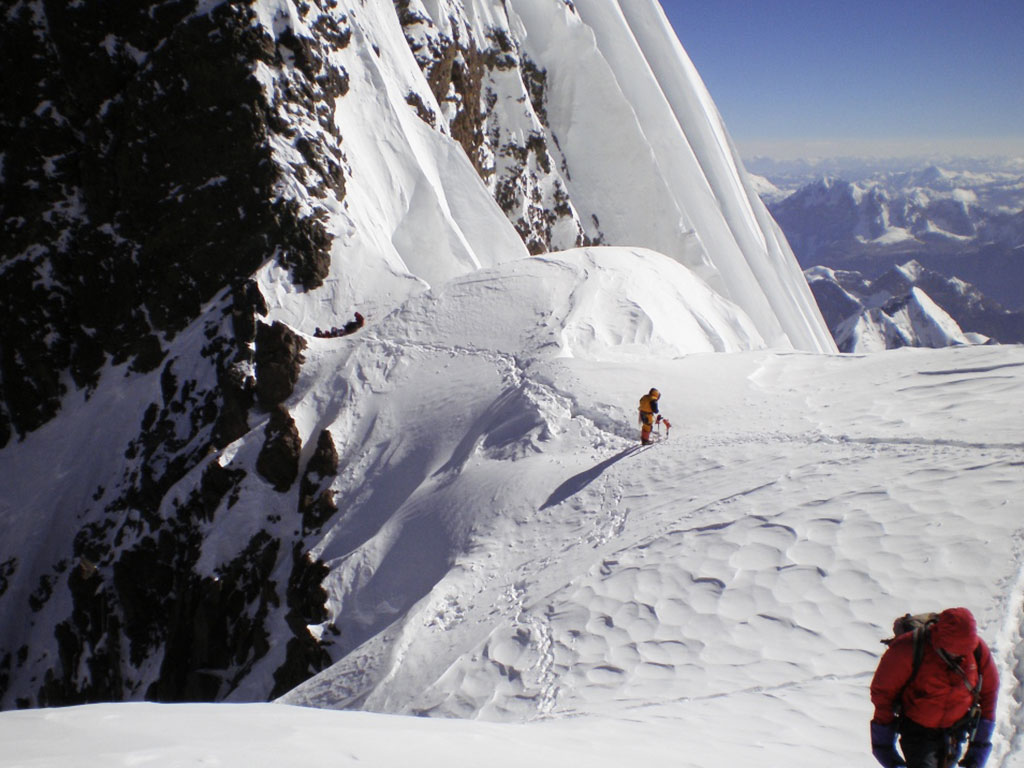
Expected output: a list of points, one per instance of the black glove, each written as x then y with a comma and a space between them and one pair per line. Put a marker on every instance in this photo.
883, 745
981, 745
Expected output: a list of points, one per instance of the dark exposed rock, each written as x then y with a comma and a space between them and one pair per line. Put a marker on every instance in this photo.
5, 420
460, 71
246, 303
536, 79
316, 500
834, 302
91, 632
304, 655
145, 182
217, 626
7, 569
150, 597
217, 482
278, 461
238, 392
235, 380
426, 114
278, 360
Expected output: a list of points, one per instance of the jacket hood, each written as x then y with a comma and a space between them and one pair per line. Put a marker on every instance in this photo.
956, 632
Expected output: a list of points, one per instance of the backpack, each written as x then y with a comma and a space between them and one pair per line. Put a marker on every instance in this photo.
920, 624
911, 623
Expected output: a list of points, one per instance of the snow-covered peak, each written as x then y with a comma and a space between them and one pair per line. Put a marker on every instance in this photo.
766, 190
912, 270
909, 305
911, 321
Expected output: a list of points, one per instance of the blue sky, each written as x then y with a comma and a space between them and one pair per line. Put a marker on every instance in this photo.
802, 78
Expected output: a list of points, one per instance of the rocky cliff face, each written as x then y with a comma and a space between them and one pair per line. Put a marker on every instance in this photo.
151, 166
140, 179
144, 182
471, 76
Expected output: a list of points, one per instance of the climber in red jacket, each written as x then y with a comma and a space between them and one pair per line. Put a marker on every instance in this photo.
935, 704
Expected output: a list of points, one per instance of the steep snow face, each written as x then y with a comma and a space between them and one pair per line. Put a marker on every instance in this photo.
621, 88
590, 111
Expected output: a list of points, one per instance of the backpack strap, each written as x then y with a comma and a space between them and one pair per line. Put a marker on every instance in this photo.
952, 664
919, 634
966, 725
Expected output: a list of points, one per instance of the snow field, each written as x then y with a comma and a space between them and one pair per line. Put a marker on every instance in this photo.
744, 570
503, 550
716, 599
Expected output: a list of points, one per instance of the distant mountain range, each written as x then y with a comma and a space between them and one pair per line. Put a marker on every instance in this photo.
962, 223
909, 306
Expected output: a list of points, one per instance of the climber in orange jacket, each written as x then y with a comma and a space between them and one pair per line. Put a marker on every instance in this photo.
648, 413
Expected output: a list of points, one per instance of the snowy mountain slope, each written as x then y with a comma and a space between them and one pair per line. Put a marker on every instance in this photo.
637, 102
464, 355
966, 224
913, 321
715, 599
770, 537
207, 185
908, 305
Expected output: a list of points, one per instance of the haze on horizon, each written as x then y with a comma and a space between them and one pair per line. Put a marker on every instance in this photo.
806, 79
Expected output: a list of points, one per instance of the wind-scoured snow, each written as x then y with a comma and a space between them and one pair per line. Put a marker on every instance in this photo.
716, 599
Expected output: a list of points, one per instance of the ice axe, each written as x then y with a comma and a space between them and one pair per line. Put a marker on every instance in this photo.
662, 420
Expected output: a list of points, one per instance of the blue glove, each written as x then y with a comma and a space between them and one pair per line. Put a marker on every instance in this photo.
883, 745
981, 745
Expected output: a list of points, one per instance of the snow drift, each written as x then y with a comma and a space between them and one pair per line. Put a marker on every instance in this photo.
715, 599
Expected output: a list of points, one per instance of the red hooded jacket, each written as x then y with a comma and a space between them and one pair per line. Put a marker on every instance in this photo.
938, 695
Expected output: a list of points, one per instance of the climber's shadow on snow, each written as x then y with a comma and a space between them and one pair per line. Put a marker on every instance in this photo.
578, 482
